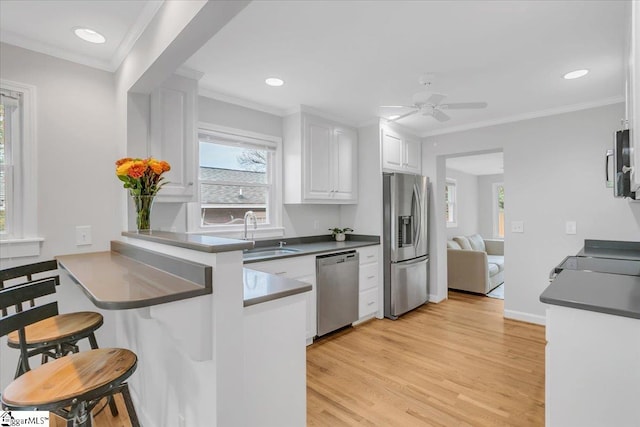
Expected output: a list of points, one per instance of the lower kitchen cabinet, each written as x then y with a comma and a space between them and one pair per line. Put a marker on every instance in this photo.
298, 268
369, 281
592, 369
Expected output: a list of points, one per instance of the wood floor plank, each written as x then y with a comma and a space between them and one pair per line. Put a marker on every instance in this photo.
454, 363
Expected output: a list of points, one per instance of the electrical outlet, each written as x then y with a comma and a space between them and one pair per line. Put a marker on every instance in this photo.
83, 235
571, 227
517, 226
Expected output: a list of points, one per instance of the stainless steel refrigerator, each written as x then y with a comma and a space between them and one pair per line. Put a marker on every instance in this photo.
406, 242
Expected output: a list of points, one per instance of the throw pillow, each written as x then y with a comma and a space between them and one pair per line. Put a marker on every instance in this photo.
453, 245
477, 243
463, 242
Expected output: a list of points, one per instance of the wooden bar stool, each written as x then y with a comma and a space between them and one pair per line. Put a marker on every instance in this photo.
72, 385
53, 337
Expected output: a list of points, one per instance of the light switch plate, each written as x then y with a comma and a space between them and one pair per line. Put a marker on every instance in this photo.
571, 227
83, 235
517, 226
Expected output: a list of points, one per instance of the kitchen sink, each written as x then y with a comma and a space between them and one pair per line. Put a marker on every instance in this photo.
268, 252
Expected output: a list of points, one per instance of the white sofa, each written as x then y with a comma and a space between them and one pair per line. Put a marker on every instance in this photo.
475, 264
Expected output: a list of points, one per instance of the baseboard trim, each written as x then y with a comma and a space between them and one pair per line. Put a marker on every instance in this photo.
437, 298
525, 317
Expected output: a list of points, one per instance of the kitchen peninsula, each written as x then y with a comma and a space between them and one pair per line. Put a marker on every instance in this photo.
593, 337
213, 340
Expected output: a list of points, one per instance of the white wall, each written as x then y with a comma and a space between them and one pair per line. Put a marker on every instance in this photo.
76, 151
554, 172
467, 201
486, 202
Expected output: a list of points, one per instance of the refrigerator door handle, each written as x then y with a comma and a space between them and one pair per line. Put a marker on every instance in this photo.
416, 206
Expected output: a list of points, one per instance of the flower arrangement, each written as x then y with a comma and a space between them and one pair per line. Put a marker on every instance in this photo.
143, 178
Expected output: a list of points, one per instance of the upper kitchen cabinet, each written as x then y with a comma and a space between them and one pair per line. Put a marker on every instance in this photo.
173, 136
320, 160
400, 153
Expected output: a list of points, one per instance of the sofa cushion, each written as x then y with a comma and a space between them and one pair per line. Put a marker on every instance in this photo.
453, 245
493, 269
498, 260
477, 242
463, 242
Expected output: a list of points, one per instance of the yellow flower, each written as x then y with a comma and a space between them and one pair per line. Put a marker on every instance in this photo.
156, 166
123, 169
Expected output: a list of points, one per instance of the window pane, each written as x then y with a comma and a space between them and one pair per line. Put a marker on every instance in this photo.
234, 160
227, 204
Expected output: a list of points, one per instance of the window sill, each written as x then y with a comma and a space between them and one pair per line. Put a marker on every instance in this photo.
261, 233
18, 248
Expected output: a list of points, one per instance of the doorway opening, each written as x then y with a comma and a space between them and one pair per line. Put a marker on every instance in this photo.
475, 220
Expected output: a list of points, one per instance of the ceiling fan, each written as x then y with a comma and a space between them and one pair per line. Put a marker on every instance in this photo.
430, 104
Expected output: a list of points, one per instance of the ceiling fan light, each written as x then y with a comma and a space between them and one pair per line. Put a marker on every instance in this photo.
395, 116
576, 74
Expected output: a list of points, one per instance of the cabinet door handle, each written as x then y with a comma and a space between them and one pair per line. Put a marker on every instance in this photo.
371, 303
370, 256
370, 277
280, 272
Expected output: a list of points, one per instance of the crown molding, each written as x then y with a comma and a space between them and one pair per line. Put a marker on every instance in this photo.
230, 99
527, 116
111, 65
129, 40
47, 49
320, 113
189, 73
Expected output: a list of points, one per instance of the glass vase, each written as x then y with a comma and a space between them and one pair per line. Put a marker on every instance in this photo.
143, 205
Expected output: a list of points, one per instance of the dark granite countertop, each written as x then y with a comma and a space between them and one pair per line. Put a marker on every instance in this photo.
602, 277
196, 242
302, 246
261, 287
615, 294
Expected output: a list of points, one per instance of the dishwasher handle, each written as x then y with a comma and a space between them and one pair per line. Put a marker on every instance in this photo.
337, 258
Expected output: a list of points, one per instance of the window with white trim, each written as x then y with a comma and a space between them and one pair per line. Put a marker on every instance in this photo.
498, 210
18, 171
237, 172
451, 213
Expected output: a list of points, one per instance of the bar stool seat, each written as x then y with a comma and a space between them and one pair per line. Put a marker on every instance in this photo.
67, 327
79, 377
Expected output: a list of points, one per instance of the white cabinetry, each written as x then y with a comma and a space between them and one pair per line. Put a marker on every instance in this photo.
400, 153
173, 136
369, 282
592, 369
298, 268
320, 161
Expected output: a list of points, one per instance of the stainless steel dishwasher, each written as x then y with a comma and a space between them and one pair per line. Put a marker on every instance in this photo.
337, 290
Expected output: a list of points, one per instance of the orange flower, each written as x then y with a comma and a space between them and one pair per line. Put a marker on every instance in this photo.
123, 160
165, 166
137, 169
156, 166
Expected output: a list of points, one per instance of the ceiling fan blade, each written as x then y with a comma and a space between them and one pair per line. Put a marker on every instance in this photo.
463, 105
439, 115
397, 106
436, 98
403, 116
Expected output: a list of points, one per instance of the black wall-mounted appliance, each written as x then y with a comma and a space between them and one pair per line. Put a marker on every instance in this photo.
618, 165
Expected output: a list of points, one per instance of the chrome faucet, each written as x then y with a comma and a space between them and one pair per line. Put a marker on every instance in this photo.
282, 243
249, 215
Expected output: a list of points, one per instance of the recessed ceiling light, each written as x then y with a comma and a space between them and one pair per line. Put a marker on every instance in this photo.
89, 35
395, 116
575, 74
274, 81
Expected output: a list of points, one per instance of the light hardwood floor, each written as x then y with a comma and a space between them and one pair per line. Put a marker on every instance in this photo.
457, 363
103, 419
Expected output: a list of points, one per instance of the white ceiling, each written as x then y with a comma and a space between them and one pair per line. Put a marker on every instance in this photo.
347, 58
481, 164
47, 26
